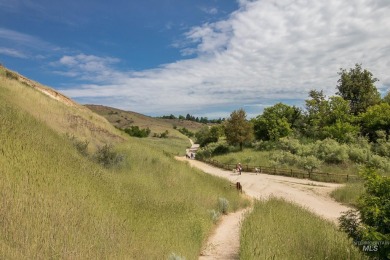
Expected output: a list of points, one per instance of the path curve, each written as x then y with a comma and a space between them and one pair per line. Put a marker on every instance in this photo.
312, 195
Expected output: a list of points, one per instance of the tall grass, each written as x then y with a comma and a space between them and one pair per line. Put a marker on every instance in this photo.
277, 229
349, 194
263, 158
56, 203
78, 121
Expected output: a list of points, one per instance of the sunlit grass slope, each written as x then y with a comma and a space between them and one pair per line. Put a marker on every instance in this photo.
123, 119
56, 203
277, 229
56, 111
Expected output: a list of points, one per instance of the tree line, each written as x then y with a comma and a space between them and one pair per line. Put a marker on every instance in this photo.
357, 110
189, 117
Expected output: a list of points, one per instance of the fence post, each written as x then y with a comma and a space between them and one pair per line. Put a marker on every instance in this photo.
291, 173
347, 177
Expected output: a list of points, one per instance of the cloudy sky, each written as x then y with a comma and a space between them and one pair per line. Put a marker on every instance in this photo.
203, 57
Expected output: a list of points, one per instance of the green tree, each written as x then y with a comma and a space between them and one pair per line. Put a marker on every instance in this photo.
316, 111
207, 135
329, 118
376, 118
238, 130
357, 86
276, 122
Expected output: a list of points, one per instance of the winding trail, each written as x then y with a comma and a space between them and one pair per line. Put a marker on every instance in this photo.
312, 195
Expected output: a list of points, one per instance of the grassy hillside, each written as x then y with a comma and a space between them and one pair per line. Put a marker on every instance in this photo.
57, 111
123, 119
57, 203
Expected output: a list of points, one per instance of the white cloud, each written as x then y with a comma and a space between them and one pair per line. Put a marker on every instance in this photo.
12, 53
266, 52
210, 10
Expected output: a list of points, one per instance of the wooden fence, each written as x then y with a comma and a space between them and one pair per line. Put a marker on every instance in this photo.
316, 176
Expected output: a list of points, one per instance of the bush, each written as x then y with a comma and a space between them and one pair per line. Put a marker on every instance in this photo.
137, 132
220, 149
331, 151
265, 145
310, 163
107, 157
290, 144
357, 154
81, 146
214, 215
223, 205
161, 135
185, 132
378, 162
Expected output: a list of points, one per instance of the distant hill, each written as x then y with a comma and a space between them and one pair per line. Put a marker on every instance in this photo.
124, 119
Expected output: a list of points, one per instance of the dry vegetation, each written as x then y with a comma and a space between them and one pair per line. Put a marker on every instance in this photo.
58, 203
123, 119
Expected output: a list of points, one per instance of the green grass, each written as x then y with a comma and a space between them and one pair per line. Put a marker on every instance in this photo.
56, 203
277, 229
262, 158
349, 194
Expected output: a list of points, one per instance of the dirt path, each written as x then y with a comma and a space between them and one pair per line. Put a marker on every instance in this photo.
310, 194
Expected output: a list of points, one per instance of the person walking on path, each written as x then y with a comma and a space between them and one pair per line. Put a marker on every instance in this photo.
239, 168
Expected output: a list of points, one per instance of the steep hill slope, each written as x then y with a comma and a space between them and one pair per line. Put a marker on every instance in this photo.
58, 111
57, 203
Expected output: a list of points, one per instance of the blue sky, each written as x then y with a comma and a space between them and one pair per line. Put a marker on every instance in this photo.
206, 58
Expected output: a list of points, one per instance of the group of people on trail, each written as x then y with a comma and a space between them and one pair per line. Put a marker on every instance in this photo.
190, 156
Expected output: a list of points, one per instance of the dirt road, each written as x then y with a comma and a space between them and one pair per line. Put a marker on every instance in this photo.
310, 194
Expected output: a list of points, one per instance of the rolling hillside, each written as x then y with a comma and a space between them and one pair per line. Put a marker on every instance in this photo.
124, 119
58, 203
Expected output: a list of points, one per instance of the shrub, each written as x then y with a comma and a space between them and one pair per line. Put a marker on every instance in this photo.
357, 154
185, 132
331, 151
221, 149
378, 162
310, 163
265, 145
137, 132
106, 156
81, 146
214, 215
161, 135
382, 146
290, 144
223, 205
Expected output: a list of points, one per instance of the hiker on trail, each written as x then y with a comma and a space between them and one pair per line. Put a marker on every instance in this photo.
239, 168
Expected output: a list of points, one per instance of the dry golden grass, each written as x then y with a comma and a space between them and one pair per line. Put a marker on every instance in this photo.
56, 203
123, 119
60, 116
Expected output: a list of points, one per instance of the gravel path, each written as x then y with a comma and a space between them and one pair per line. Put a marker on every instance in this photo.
224, 242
